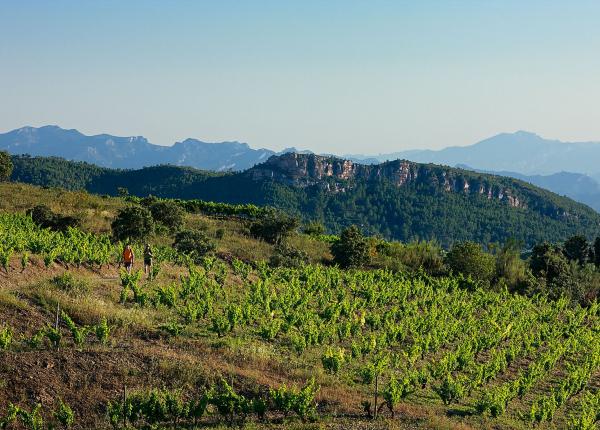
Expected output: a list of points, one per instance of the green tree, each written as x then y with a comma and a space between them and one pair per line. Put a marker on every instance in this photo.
193, 243
168, 214
133, 223
470, 259
274, 226
351, 249
6, 166
548, 261
597, 252
577, 248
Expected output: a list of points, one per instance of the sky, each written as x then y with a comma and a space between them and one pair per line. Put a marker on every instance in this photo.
331, 76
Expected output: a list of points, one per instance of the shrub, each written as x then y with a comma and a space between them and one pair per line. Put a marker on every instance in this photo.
274, 227
450, 390
471, 260
511, 269
301, 401
79, 333
64, 415
102, 331
333, 359
168, 214
397, 390
193, 243
133, 223
6, 336
414, 256
351, 249
286, 255
53, 335
68, 283
43, 216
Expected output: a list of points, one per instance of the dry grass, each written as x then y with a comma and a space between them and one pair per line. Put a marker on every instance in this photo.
8, 300
96, 212
91, 309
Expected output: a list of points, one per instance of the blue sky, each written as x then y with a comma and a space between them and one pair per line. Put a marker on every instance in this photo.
336, 76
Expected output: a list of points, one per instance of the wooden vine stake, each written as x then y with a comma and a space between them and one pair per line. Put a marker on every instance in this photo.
124, 407
57, 322
376, 390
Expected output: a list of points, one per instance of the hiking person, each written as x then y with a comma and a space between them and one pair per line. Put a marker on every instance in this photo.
148, 255
128, 258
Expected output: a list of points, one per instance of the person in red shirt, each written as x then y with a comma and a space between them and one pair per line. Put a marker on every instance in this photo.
128, 258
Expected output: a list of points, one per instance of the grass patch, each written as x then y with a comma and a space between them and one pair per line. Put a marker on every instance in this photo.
9, 300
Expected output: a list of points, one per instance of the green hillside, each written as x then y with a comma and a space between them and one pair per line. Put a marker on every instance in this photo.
235, 341
431, 202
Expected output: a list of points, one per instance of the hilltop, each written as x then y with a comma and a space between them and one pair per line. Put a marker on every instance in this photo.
399, 199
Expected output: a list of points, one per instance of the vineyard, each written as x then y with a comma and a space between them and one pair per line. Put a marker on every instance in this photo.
333, 344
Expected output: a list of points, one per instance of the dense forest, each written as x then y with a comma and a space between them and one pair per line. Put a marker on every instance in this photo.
397, 200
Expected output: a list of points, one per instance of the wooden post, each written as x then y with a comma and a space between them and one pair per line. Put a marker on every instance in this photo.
124, 402
376, 389
56, 324
231, 419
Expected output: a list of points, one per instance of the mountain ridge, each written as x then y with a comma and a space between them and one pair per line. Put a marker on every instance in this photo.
400, 200
505, 152
536, 155
124, 152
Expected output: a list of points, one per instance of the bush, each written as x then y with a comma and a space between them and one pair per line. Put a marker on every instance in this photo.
193, 243
471, 260
274, 227
69, 284
511, 269
413, 256
6, 166
351, 249
287, 256
43, 216
168, 214
64, 415
133, 223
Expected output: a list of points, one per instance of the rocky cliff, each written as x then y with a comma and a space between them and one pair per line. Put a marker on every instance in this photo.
338, 175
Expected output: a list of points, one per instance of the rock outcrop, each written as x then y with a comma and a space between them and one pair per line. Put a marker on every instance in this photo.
338, 175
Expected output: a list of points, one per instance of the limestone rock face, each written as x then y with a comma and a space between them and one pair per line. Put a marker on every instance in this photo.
337, 175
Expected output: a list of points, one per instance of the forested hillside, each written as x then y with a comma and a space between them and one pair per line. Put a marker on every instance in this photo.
399, 200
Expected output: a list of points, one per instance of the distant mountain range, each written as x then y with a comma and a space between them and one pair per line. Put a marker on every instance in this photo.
522, 152
399, 199
566, 168
130, 152
569, 169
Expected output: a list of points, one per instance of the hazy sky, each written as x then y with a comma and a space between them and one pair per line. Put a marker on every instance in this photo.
337, 76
